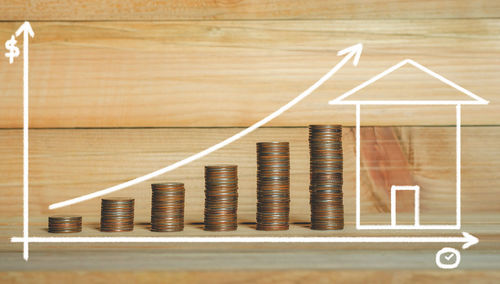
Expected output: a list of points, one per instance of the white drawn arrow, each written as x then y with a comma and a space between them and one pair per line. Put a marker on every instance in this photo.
352, 51
27, 31
468, 240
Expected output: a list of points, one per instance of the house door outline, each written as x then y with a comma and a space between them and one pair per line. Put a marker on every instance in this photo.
394, 190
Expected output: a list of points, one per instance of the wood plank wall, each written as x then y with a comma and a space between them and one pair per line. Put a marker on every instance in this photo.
128, 64
145, 77
125, 64
214, 63
66, 163
137, 10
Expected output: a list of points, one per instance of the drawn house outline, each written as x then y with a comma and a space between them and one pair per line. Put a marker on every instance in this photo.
474, 100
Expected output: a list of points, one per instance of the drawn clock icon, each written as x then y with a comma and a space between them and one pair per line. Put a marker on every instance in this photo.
448, 258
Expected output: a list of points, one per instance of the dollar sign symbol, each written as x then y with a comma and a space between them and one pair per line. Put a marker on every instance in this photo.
12, 48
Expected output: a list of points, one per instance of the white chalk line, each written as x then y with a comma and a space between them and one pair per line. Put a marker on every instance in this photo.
341, 99
27, 31
467, 239
351, 51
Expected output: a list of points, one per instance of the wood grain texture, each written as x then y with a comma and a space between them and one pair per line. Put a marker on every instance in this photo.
81, 10
270, 257
233, 73
404, 276
387, 165
317, 275
67, 163
135, 63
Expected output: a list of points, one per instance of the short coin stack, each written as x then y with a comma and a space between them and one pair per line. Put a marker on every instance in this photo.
325, 145
65, 224
167, 207
221, 197
117, 214
273, 186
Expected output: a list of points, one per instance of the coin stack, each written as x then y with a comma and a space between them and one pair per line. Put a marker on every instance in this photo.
273, 186
117, 214
65, 224
325, 146
221, 197
167, 207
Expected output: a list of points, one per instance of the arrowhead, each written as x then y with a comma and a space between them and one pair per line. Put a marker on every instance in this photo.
354, 50
471, 240
25, 27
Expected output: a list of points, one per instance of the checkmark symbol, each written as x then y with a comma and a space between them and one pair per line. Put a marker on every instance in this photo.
445, 260
448, 257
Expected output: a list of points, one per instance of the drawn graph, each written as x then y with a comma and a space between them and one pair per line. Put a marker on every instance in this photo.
352, 52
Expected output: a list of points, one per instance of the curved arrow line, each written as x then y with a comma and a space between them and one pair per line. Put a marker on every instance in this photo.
354, 50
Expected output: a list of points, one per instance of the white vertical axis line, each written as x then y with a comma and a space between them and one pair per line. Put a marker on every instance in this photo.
27, 31
358, 166
459, 163
25, 148
393, 206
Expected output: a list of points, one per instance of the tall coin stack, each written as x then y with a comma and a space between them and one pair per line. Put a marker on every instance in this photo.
325, 145
221, 197
65, 224
167, 207
273, 186
117, 214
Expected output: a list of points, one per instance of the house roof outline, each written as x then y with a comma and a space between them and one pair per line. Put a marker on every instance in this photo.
342, 99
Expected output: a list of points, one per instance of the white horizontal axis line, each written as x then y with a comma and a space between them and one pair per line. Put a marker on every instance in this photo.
467, 239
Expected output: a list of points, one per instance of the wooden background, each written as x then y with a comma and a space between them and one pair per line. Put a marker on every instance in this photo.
121, 88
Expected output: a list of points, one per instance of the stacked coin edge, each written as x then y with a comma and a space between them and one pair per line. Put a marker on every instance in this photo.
117, 214
273, 186
167, 207
65, 224
221, 198
326, 177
